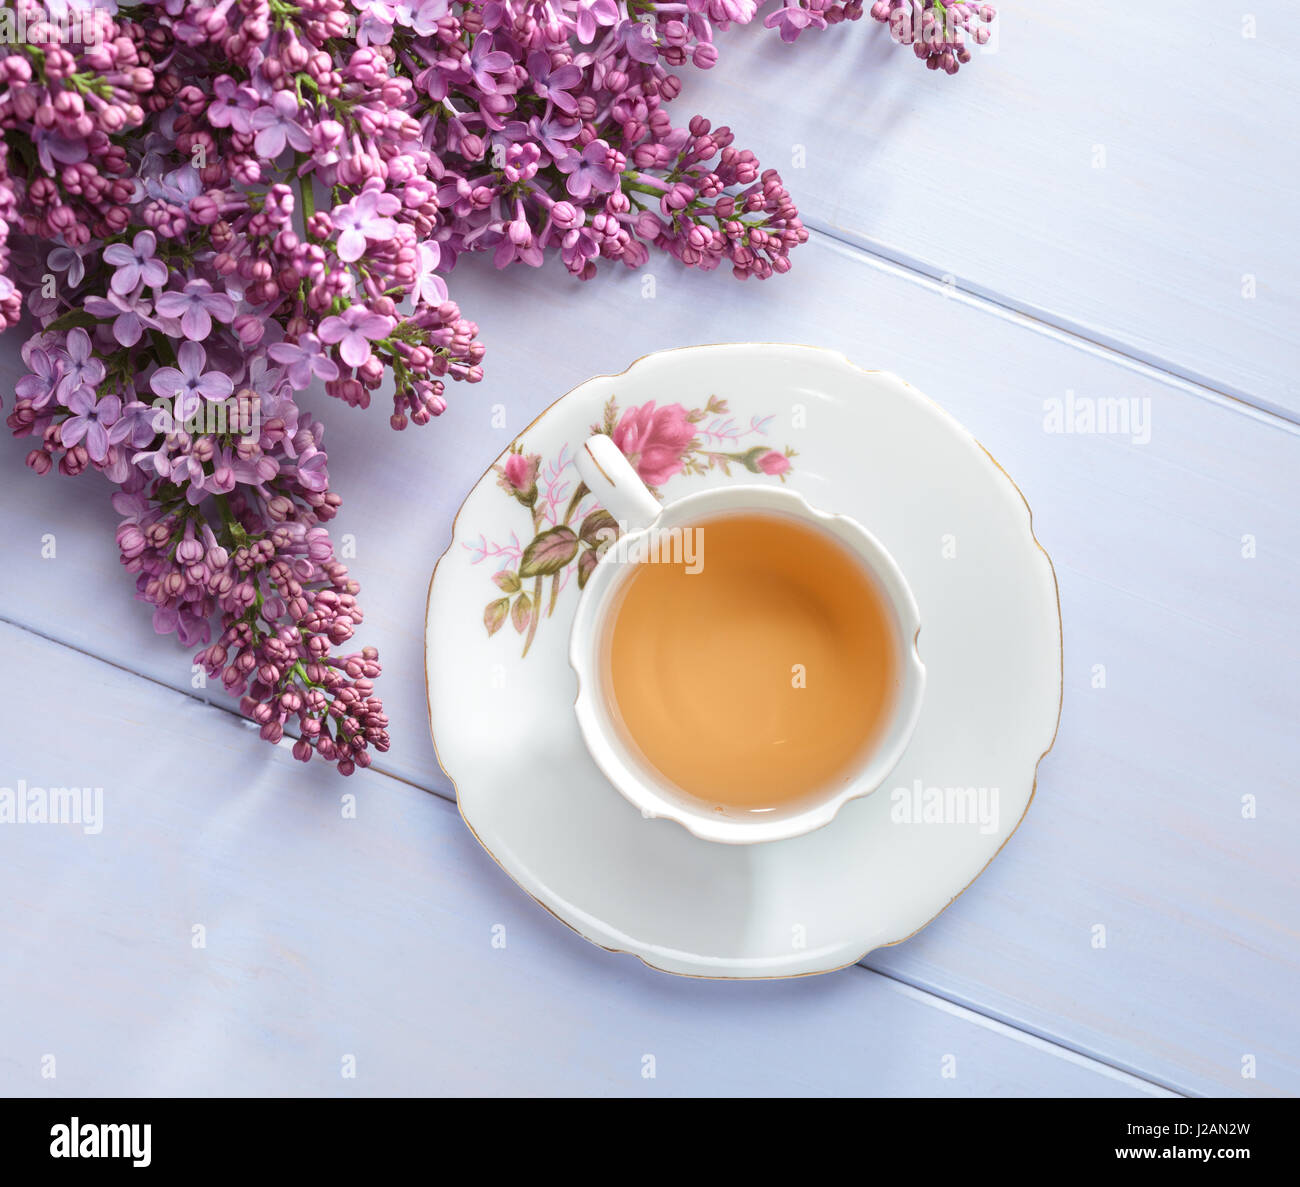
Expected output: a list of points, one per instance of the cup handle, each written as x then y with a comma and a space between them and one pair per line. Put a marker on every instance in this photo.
610, 477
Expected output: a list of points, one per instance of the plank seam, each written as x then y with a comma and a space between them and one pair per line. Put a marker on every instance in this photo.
229, 710
1061, 329
1115, 1070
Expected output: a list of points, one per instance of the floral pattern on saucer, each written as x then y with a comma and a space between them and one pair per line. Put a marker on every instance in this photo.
570, 530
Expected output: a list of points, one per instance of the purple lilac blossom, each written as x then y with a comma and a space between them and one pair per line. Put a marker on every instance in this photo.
279, 196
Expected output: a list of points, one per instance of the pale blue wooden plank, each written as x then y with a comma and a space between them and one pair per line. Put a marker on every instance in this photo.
1112, 170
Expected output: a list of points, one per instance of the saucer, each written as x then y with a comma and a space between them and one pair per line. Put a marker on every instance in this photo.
501, 691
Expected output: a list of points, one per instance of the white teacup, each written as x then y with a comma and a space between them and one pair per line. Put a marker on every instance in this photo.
616, 485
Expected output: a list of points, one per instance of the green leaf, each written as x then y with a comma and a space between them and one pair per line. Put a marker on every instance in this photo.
549, 552
72, 319
586, 563
580, 492
598, 522
522, 612
507, 581
495, 614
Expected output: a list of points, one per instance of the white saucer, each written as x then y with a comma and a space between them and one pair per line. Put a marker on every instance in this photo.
861, 443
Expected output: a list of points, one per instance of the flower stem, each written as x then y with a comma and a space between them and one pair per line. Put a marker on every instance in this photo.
537, 616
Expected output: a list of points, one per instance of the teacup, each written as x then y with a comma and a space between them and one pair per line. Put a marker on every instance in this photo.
783, 762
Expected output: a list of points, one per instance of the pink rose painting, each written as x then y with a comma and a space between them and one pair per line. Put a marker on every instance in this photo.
655, 440
570, 531
774, 463
518, 476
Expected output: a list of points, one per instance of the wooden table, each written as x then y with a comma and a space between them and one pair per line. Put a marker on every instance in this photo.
1106, 206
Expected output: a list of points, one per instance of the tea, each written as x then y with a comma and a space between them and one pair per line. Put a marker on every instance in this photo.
761, 673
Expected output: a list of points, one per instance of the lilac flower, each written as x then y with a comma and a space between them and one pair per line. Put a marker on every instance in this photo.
8, 290
303, 359
117, 466
196, 306
181, 621
70, 260
429, 286
61, 10
579, 246
276, 125
311, 471
135, 265
512, 248
365, 217
554, 133
793, 20
134, 427
232, 105
222, 479
264, 380
484, 63
521, 163
187, 471
354, 331
54, 149
376, 24
589, 170
422, 16
637, 39
81, 371
40, 385
554, 84
187, 382
130, 315
43, 308
91, 419
594, 14
158, 460
177, 187
257, 470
